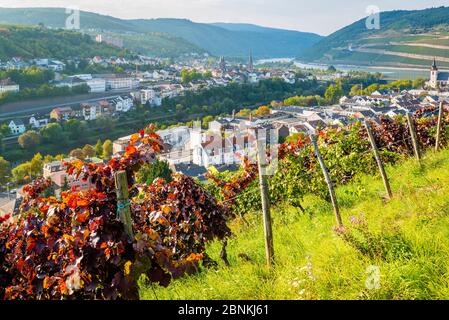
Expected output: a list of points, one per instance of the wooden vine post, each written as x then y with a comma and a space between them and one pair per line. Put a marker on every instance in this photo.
378, 160
415, 142
263, 182
439, 125
123, 206
328, 181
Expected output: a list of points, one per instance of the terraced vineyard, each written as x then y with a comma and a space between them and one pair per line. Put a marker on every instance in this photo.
405, 39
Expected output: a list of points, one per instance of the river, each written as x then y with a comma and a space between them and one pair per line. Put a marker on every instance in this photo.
390, 73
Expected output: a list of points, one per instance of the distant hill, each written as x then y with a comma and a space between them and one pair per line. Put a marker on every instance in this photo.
231, 40
407, 38
36, 42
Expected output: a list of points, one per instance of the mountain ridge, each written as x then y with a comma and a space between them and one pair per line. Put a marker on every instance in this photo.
403, 39
209, 37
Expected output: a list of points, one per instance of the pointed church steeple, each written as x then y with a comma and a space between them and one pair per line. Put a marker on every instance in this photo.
222, 64
250, 62
434, 65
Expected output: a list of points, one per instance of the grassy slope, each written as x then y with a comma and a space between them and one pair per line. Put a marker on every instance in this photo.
313, 263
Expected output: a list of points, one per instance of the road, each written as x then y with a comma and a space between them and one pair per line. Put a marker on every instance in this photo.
25, 108
401, 54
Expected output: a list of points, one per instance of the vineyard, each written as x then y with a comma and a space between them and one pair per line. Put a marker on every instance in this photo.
81, 247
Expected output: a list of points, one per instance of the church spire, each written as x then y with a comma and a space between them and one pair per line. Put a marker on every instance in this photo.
222, 63
434, 65
250, 62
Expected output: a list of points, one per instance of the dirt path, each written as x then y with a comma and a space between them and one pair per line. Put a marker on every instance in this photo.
401, 54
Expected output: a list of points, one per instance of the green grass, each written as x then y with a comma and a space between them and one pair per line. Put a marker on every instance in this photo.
312, 262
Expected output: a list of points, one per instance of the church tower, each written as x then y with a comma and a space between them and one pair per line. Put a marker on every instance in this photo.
250, 62
434, 75
222, 64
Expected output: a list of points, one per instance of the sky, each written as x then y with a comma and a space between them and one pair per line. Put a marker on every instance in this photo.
318, 16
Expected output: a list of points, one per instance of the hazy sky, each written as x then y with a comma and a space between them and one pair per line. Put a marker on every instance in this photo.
319, 16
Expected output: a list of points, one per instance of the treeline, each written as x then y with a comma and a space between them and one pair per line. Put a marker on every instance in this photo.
397, 85
39, 42
32, 169
42, 91
28, 77
223, 100
335, 91
188, 76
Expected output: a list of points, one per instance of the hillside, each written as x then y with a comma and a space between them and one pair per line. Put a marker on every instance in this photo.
314, 263
405, 38
217, 39
34, 42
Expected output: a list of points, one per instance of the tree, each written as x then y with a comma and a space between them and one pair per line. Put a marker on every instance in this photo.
50, 191
75, 128
5, 130
244, 113
36, 165
5, 170
30, 139
88, 151
332, 69
149, 172
52, 132
107, 149
263, 111
206, 121
65, 186
355, 90
77, 153
26, 171
99, 148
334, 93
419, 83
105, 123
22, 172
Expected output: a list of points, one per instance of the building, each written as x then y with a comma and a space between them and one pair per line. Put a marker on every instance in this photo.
61, 113
122, 103
96, 85
17, 127
149, 96
57, 173
6, 85
438, 79
121, 83
70, 82
117, 42
37, 122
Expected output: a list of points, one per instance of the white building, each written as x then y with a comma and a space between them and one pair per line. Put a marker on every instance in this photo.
438, 79
122, 103
6, 85
177, 137
96, 85
224, 143
17, 127
151, 97
122, 83
38, 122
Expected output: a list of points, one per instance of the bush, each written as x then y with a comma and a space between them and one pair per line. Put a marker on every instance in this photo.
76, 248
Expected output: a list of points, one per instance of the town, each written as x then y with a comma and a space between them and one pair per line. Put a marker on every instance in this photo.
224, 150
193, 150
